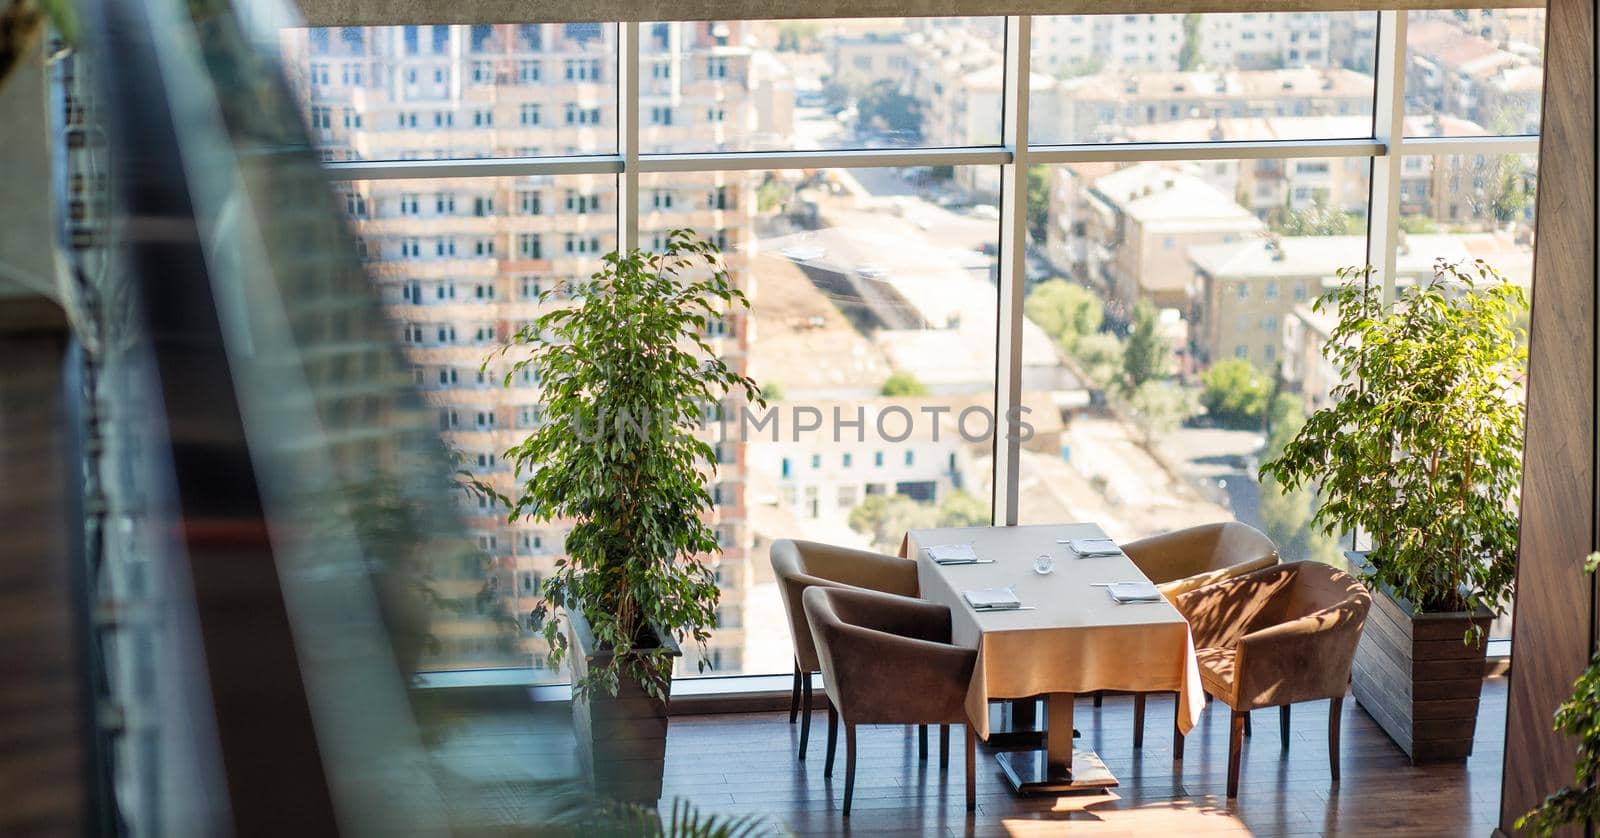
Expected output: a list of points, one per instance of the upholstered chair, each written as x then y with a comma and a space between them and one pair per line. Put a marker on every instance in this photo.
1190, 558
799, 565
888, 659
1273, 638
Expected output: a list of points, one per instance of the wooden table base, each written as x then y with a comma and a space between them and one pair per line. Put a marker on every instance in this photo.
1028, 773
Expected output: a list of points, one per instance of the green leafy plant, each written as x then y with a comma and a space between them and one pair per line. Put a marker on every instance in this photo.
1578, 716
628, 379
1422, 447
21, 21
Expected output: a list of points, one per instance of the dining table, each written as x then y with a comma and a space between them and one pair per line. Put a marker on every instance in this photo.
1069, 637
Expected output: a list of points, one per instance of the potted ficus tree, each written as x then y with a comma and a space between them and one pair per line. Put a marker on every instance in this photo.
627, 377
1422, 451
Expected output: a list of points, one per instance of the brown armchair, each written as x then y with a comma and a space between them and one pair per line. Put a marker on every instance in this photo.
799, 565
1275, 637
888, 659
1190, 558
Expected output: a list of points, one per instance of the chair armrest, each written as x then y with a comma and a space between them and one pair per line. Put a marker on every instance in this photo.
1300, 660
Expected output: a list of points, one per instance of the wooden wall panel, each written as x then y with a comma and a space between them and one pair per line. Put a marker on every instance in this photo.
43, 701
1551, 634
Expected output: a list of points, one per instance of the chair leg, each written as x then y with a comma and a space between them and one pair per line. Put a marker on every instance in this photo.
805, 715
1249, 729
922, 742
1235, 749
1177, 734
1138, 720
944, 748
849, 765
1099, 699
1283, 725
833, 738
1335, 709
794, 695
972, 768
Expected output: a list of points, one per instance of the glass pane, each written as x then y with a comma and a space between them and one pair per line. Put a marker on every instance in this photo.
450, 92
1468, 206
1202, 77
460, 265
1474, 71
873, 300
1465, 207
820, 84
1158, 274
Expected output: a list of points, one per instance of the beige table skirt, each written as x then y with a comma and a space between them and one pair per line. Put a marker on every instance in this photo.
1074, 638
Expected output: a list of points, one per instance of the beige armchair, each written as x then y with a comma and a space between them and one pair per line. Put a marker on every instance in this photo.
888, 660
1276, 637
799, 565
1190, 558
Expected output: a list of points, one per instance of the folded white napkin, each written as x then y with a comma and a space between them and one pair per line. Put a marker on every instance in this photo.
1094, 547
993, 599
942, 553
1134, 592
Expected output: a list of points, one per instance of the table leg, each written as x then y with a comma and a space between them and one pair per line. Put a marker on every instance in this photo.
1058, 735
1058, 767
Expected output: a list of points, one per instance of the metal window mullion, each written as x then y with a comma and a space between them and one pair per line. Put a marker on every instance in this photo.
1388, 127
821, 159
628, 135
597, 164
1013, 244
1222, 150
1436, 146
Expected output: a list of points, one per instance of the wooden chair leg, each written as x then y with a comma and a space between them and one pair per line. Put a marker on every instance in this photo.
794, 695
922, 742
972, 769
1335, 709
1248, 728
805, 715
833, 738
1235, 749
1099, 698
849, 765
944, 748
1177, 735
1138, 720
1283, 725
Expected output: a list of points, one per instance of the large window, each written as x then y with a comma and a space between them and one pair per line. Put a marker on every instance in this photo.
1183, 188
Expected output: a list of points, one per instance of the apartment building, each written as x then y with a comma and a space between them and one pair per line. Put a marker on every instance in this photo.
1139, 224
1071, 45
1242, 291
463, 263
1454, 70
1107, 106
1266, 40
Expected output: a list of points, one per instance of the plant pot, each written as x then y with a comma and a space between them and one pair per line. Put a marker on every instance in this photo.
622, 739
1416, 678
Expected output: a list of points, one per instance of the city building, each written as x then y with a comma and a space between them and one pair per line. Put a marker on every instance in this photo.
1266, 40
1140, 223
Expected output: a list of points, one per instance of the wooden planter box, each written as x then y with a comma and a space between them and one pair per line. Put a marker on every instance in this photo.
622, 739
1417, 679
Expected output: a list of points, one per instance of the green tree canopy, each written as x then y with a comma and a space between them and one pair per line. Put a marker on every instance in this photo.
882, 105
1038, 201
1100, 356
902, 383
885, 518
1066, 311
1159, 407
1145, 355
1235, 393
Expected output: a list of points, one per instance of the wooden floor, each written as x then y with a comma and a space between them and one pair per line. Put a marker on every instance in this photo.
745, 765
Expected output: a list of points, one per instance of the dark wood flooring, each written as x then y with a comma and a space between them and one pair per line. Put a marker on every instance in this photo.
744, 764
